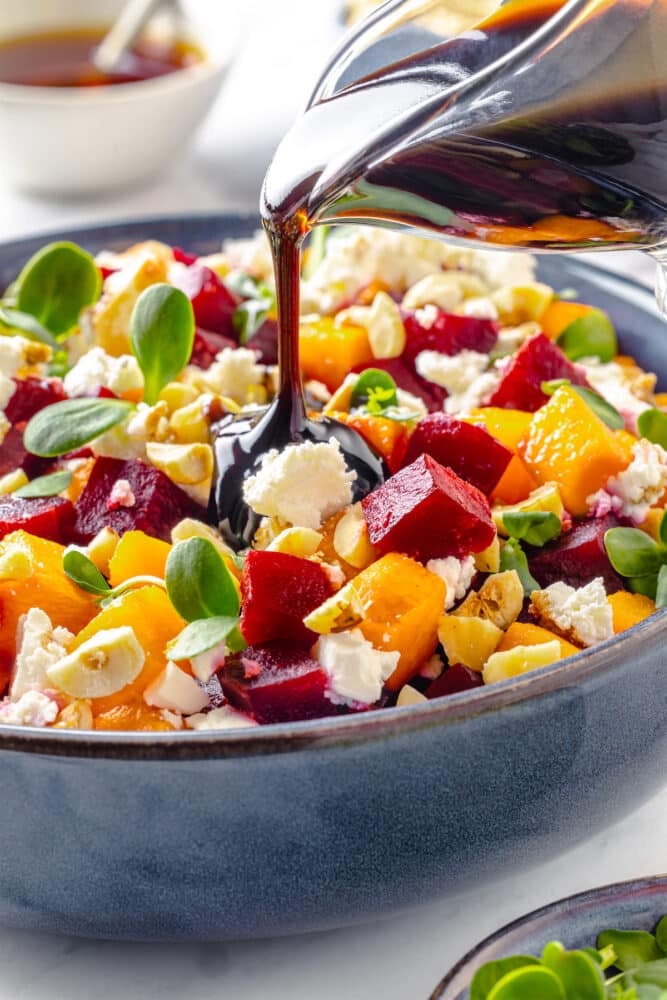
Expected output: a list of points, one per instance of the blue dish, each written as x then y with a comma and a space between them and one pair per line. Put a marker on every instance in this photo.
296, 827
575, 922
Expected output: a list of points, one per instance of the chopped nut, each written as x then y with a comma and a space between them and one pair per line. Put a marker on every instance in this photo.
501, 597
488, 561
76, 715
177, 395
13, 480
520, 660
350, 539
382, 319
102, 547
303, 542
185, 464
409, 696
338, 613
468, 640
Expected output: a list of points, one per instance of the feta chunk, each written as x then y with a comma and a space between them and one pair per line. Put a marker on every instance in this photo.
7, 389
176, 691
33, 708
206, 664
303, 485
582, 615
457, 574
233, 374
613, 382
121, 495
356, 670
40, 646
641, 485
456, 372
97, 368
18, 352
220, 718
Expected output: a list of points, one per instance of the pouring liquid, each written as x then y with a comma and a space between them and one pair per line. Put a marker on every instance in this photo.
563, 150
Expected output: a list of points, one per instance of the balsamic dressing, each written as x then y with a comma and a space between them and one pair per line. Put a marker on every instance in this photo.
565, 149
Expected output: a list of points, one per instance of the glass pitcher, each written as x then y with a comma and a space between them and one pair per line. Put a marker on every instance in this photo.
544, 127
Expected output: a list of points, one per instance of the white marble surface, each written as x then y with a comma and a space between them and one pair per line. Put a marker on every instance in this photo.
397, 959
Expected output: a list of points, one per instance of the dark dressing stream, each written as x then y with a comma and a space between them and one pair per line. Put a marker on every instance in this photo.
546, 127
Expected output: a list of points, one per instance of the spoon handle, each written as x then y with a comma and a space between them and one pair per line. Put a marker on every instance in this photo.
122, 34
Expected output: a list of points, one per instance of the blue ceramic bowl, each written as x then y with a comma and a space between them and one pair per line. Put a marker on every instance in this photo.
575, 922
295, 827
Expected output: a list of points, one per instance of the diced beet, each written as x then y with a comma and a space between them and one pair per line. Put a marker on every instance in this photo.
428, 512
31, 395
183, 257
13, 455
449, 334
265, 342
577, 557
538, 360
407, 378
158, 503
46, 517
206, 345
212, 301
277, 682
469, 450
454, 679
278, 591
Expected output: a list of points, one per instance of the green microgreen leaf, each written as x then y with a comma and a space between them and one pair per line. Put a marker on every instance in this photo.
84, 573
632, 552
528, 983
317, 250
661, 588
59, 364
45, 486
662, 530
589, 336
512, 556
633, 948
491, 973
646, 585
249, 316
205, 634
66, 426
374, 384
199, 583
608, 414
58, 282
536, 527
579, 974
27, 325
652, 425
162, 330
661, 935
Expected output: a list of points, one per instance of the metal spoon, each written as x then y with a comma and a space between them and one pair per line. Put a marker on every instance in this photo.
122, 34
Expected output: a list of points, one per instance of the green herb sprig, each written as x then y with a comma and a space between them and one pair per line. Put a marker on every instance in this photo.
640, 559
512, 556
260, 302
625, 965
589, 336
607, 413
535, 527
204, 592
375, 393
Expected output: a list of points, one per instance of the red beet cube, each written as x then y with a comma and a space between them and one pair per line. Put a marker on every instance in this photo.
13, 455
158, 504
46, 517
454, 679
470, 451
407, 378
428, 512
31, 395
212, 301
265, 342
449, 334
206, 345
278, 591
538, 360
577, 557
276, 682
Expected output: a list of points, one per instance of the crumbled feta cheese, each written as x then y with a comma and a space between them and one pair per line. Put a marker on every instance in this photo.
408, 403
455, 372
40, 646
97, 368
33, 708
475, 394
582, 615
510, 338
18, 352
611, 381
356, 670
177, 691
253, 255
234, 373
128, 439
121, 495
479, 307
7, 389
427, 316
641, 485
206, 664
303, 485
357, 256
457, 574
219, 718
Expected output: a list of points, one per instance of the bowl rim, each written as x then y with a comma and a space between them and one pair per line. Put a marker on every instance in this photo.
217, 60
287, 737
599, 895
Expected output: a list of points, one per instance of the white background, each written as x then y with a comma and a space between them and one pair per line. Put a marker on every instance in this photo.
396, 959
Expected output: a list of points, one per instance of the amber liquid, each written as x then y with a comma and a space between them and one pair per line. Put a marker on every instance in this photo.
65, 59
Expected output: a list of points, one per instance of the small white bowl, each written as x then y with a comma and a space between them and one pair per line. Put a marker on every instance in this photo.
90, 139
